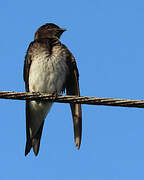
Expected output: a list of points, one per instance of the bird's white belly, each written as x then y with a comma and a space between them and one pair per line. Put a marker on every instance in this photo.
47, 75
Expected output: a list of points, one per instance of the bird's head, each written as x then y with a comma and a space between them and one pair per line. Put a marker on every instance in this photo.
49, 30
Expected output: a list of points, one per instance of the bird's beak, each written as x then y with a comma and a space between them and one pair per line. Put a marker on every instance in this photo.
63, 29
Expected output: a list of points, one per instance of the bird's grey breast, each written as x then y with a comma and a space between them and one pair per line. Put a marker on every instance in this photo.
48, 71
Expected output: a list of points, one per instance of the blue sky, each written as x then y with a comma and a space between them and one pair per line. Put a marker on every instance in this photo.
107, 40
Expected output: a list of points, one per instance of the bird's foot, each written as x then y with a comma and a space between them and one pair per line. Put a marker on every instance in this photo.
55, 95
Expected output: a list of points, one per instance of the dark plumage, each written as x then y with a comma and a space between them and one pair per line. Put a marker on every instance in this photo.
49, 67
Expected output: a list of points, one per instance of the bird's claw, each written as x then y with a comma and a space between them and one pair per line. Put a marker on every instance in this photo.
55, 95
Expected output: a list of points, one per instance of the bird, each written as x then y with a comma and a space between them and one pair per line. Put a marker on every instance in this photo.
49, 67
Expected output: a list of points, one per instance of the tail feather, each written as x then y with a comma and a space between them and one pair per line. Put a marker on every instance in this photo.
36, 140
28, 147
32, 141
77, 123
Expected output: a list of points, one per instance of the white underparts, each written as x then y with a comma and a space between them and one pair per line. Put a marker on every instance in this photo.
47, 75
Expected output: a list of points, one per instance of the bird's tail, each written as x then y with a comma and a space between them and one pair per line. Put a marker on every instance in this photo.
34, 142
77, 123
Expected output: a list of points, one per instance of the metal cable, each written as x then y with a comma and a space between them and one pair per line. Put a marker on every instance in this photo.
72, 99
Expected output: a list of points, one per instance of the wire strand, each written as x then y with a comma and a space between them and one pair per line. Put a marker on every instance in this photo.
71, 99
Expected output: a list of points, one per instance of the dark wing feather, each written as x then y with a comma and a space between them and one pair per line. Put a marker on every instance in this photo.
31, 141
27, 64
72, 88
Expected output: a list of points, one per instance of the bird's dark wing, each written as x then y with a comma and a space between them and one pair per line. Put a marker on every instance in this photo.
31, 141
27, 64
72, 88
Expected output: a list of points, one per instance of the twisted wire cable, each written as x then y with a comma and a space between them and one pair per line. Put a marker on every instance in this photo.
71, 99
